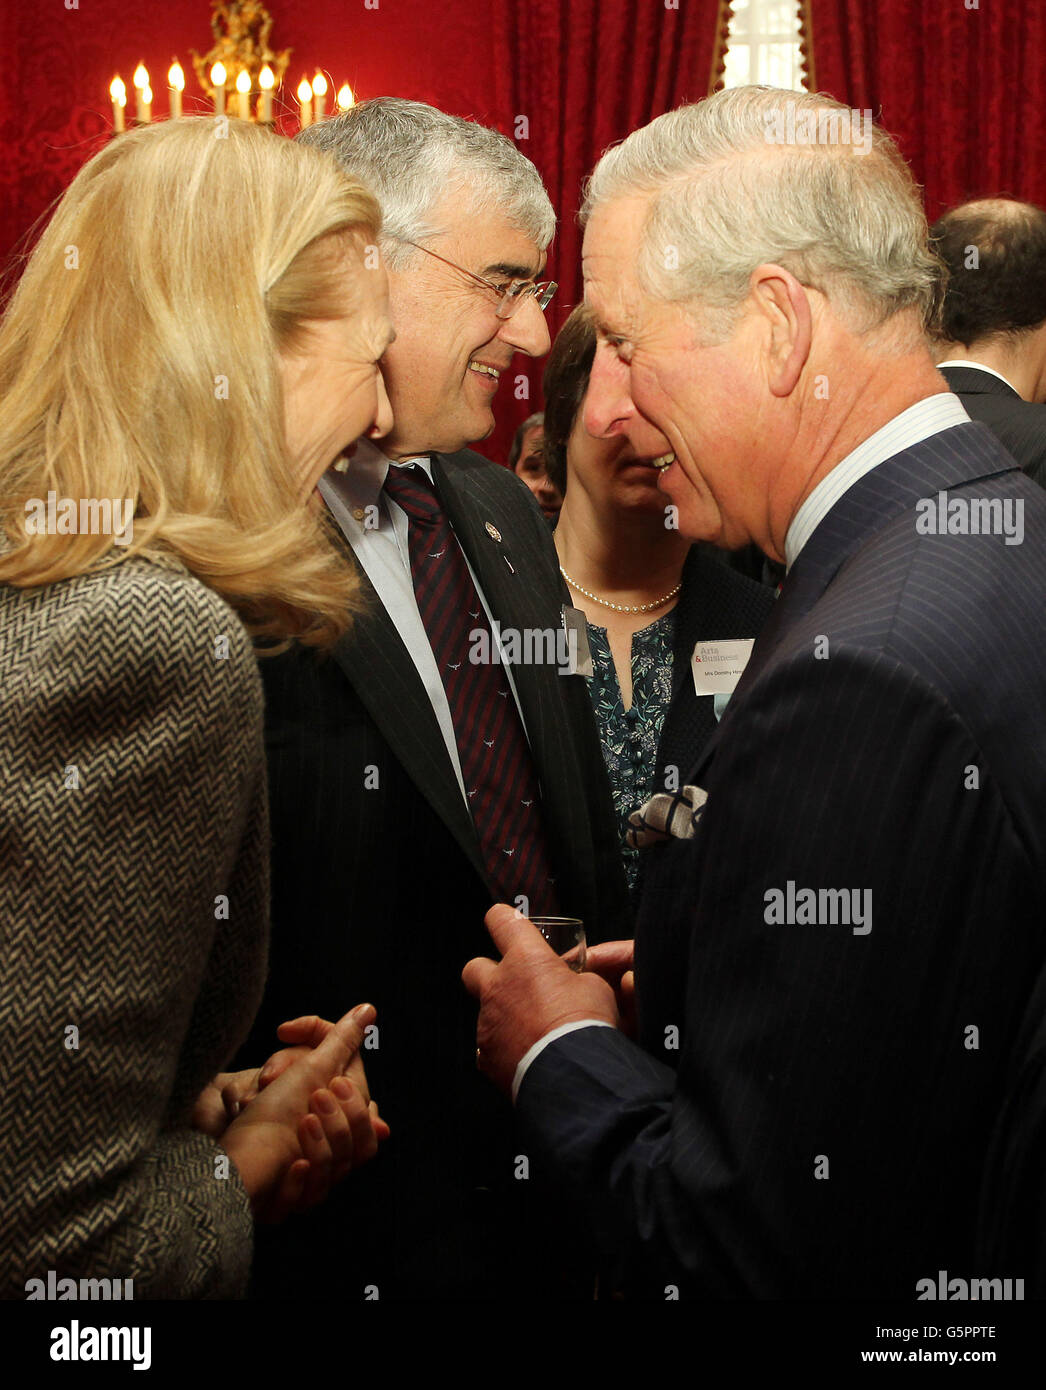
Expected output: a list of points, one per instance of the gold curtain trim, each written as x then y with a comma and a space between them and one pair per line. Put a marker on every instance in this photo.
806, 45
722, 33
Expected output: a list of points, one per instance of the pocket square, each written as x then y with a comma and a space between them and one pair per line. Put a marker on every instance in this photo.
666, 816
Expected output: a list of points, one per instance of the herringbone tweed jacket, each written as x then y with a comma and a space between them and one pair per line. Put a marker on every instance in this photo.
133, 926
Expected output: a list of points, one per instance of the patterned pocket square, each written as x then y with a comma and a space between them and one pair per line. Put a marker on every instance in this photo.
666, 816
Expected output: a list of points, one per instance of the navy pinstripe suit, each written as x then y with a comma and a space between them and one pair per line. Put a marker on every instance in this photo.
820, 1128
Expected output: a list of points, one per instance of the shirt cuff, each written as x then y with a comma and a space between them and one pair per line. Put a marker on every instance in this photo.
542, 1043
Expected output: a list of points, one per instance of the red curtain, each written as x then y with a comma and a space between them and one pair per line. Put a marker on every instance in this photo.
580, 74
957, 87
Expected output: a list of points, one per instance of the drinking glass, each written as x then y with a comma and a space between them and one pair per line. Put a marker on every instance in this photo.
566, 936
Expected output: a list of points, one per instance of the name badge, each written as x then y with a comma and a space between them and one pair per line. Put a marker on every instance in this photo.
579, 655
717, 666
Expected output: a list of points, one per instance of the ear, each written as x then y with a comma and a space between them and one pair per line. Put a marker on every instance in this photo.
784, 304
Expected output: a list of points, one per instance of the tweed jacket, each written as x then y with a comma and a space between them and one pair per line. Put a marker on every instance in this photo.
133, 922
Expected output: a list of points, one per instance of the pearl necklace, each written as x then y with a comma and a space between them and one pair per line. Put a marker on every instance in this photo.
621, 607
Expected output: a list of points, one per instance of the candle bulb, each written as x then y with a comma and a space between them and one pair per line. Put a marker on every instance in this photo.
345, 98
218, 82
243, 90
118, 92
175, 87
319, 91
141, 85
266, 81
305, 98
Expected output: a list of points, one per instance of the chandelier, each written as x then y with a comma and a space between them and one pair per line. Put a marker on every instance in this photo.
238, 75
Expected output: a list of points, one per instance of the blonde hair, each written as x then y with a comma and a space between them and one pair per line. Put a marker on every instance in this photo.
139, 358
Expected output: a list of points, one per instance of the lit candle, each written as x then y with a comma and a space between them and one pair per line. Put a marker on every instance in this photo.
345, 98
118, 92
319, 91
266, 81
305, 98
218, 82
243, 88
141, 86
147, 104
175, 87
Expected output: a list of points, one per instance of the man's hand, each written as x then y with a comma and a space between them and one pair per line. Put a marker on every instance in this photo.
613, 961
528, 994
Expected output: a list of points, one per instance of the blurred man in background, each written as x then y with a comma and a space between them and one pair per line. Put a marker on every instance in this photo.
526, 459
992, 331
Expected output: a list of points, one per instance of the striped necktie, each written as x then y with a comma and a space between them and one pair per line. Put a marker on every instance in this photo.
500, 779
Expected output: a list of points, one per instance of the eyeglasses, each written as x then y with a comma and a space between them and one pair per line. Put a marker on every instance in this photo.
510, 296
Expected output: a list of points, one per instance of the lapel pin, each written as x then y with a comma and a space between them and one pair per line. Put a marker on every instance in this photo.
492, 531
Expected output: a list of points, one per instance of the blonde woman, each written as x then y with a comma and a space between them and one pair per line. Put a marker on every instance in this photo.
194, 340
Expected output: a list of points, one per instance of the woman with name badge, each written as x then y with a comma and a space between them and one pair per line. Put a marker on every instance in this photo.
649, 596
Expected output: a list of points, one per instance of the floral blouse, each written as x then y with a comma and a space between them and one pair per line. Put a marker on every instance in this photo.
630, 737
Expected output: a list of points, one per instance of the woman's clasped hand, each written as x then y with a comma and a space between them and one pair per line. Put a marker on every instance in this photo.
300, 1123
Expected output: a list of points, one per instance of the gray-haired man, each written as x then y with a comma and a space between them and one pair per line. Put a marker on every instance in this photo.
409, 786
842, 925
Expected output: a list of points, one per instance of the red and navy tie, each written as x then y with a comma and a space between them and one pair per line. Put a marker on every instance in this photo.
501, 781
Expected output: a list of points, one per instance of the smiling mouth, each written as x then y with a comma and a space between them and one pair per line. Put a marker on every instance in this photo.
660, 463
485, 369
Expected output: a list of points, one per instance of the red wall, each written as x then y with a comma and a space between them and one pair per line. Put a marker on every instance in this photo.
54, 97
956, 86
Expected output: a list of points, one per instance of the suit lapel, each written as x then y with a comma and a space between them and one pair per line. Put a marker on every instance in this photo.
511, 581
382, 673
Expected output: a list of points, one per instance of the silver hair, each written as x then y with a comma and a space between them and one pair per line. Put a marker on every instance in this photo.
411, 156
727, 194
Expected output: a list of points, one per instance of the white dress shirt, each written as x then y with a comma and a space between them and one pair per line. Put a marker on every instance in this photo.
379, 541
912, 426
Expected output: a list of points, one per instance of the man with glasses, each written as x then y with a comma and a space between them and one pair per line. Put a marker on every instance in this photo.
412, 786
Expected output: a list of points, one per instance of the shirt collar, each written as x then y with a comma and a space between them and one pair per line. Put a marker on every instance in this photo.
360, 479
928, 416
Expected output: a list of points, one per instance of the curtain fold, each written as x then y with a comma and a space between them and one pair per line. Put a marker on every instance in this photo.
956, 86
584, 73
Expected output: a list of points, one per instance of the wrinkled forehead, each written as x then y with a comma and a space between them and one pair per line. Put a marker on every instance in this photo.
609, 258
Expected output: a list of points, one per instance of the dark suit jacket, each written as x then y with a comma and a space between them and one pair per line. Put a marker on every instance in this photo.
379, 893
807, 1111
1019, 424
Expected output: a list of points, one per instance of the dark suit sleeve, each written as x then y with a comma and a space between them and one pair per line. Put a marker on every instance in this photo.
786, 1148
